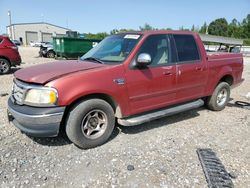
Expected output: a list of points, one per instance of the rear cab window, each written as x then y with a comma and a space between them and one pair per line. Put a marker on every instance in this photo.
186, 48
1, 40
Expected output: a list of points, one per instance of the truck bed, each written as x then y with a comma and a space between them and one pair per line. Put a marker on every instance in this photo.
229, 63
223, 56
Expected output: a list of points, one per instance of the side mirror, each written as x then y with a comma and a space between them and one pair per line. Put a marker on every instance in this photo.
143, 59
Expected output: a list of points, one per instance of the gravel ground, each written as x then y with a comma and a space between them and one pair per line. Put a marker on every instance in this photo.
161, 153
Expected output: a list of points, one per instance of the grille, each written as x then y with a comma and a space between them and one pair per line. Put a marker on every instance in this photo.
18, 93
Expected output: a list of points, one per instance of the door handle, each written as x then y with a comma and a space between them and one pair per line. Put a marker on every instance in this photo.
167, 73
198, 68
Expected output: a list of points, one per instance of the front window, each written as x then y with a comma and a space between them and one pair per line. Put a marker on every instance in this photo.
157, 46
113, 49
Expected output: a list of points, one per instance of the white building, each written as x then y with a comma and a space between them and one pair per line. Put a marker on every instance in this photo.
36, 32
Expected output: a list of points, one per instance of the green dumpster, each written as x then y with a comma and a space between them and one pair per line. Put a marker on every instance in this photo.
72, 48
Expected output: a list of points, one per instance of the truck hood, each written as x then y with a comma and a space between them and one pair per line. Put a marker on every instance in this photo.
44, 73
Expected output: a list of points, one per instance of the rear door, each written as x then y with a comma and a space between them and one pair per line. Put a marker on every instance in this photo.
153, 86
191, 70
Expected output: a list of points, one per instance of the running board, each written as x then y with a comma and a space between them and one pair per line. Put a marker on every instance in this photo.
136, 120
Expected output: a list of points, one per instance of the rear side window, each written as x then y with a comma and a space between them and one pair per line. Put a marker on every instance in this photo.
186, 48
1, 40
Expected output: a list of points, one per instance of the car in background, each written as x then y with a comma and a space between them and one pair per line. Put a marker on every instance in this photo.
47, 50
9, 55
16, 42
35, 44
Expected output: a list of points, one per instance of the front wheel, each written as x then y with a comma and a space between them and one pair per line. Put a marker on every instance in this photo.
90, 123
220, 97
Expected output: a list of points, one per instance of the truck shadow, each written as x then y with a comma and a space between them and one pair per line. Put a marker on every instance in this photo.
165, 121
62, 139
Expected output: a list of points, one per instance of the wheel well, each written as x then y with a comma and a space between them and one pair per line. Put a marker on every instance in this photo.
5, 58
227, 78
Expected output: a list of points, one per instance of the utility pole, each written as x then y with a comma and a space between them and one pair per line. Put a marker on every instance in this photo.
207, 30
10, 27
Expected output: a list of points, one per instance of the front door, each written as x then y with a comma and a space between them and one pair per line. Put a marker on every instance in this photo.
153, 86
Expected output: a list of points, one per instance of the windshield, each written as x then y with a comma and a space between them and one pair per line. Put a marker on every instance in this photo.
113, 49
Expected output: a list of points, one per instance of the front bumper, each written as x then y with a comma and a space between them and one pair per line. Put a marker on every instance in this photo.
35, 121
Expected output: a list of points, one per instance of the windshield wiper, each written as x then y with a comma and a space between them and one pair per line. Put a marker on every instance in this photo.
94, 59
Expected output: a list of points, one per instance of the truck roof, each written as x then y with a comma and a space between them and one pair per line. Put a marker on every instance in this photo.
160, 32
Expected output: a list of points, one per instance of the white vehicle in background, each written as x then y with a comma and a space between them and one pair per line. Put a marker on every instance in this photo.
35, 44
16, 42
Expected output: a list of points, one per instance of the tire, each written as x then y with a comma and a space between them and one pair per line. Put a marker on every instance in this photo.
51, 54
4, 66
219, 98
90, 123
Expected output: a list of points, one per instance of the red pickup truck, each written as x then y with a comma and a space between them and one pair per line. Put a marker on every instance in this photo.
129, 77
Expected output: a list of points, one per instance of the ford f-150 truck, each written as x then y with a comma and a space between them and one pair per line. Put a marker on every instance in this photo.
129, 77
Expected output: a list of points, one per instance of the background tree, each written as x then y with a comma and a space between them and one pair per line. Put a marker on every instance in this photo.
99, 36
246, 27
168, 28
114, 31
195, 28
183, 29
203, 28
234, 29
125, 30
218, 27
146, 27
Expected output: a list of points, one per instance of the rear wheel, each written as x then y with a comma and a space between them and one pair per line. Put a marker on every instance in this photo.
90, 123
4, 66
220, 97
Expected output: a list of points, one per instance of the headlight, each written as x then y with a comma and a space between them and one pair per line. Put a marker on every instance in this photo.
41, 97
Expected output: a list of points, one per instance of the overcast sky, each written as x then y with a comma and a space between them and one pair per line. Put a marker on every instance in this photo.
105, 15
